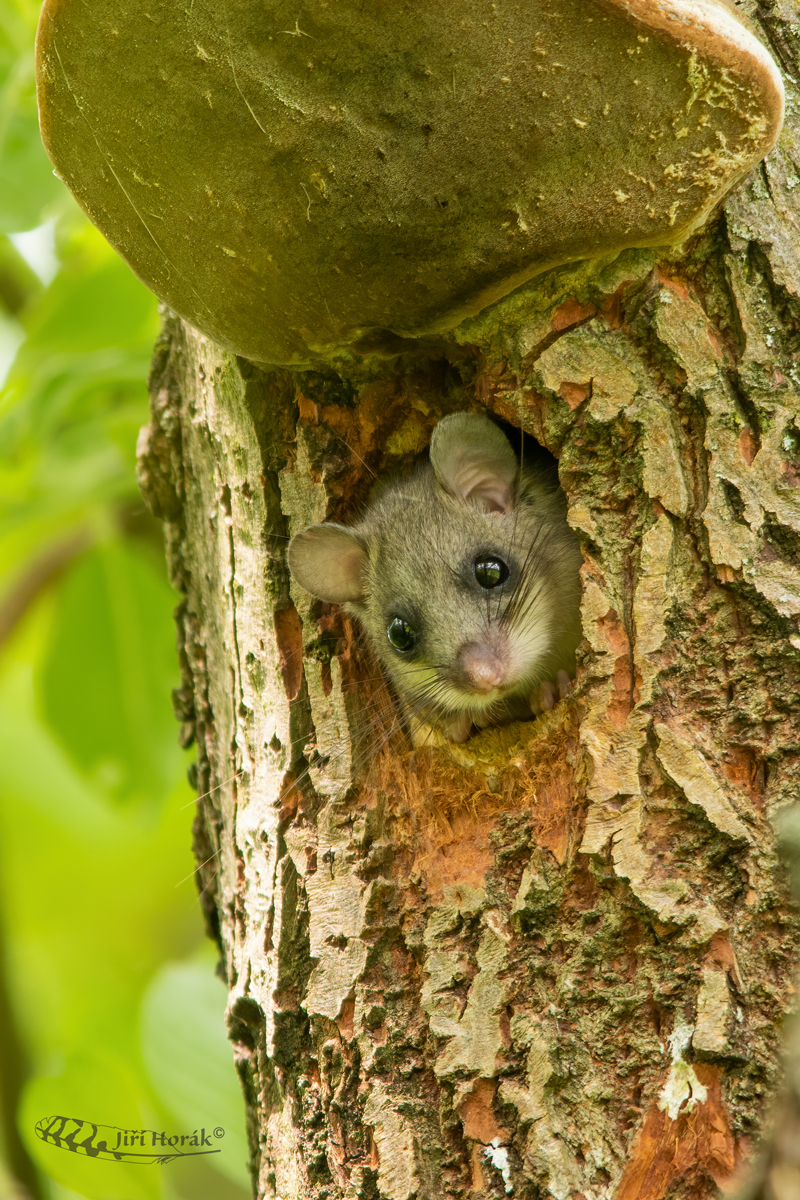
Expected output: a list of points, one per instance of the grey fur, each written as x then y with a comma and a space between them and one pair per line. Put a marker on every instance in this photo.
412, 556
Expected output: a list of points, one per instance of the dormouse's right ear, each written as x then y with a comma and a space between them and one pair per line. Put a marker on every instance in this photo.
328, 562
474, 461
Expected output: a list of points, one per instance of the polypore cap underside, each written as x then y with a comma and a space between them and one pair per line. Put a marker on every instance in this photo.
297, 180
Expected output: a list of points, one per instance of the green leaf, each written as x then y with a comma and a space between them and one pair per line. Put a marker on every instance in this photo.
106, 897
190, 1061
28, 188
27, 184
19, 284
98, 1088
74, 401
95, 302
109, 670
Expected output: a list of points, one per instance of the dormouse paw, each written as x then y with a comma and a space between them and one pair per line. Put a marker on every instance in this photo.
549, 692
456, 727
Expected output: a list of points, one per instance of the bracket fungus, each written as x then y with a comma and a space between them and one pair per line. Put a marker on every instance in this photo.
302, 181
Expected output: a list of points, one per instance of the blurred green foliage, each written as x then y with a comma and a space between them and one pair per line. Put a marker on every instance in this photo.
109, 632
109, 1007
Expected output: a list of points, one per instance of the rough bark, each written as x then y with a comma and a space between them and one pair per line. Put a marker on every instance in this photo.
554, 962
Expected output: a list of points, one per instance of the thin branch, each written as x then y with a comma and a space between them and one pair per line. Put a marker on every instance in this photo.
40, 573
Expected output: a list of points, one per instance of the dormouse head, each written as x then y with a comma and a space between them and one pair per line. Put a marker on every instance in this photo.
472, 461
445, 571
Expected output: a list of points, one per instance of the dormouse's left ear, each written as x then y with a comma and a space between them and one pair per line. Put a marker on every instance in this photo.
474, 461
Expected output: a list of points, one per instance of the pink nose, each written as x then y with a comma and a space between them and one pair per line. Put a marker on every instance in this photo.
483, 668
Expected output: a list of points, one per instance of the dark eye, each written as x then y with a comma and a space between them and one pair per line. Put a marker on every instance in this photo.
490, 572
401, 635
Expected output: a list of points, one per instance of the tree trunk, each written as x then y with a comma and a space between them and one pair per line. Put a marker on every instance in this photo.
554, 961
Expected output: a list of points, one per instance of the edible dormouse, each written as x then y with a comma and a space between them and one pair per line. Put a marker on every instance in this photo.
464, 575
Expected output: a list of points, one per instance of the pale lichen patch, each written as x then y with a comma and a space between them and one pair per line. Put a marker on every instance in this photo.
475, 1037
538, 877
594, 358
332, 777
713, 1013
687, 767
651, 600
336, 909
497, 1156
664, 476
682, 1090
682, 325
395, 1139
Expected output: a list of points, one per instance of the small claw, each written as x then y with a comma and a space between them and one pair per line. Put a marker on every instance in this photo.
546, 697
564, 685
457, 727
423, 735
549, 693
